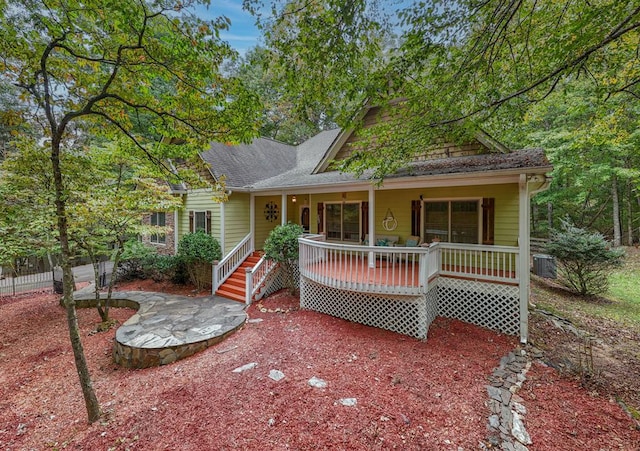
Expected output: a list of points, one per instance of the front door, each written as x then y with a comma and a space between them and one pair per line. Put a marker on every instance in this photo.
304, 219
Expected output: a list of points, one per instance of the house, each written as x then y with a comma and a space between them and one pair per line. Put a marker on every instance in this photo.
448, 235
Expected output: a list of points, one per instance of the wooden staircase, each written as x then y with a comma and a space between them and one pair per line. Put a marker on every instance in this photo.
234, 287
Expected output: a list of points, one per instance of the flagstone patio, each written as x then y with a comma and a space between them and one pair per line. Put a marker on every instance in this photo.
168, 327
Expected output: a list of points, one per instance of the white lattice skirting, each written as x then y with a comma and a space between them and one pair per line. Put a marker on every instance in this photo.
276, 280
491, 305
409, 315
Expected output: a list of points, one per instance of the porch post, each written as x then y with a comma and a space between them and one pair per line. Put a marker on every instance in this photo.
252, 220
284, 209
176, 234
222, 228
523, 257
372, 225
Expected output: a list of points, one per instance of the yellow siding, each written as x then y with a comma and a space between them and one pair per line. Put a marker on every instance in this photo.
236, 218
199, 201
263, 226
506, 207
399, 202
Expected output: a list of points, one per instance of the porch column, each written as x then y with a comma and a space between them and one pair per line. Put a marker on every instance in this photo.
252, 220
283, 210
372, 225
222, 234
523, 257
176, 232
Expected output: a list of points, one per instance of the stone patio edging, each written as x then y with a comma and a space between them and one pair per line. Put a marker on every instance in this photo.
167, 327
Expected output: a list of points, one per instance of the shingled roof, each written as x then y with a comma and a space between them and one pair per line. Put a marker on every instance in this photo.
266, 164
245, 164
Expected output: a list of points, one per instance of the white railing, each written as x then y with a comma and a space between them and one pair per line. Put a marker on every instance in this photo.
256, 277
225, 267
478, 262
404, 270
372, 269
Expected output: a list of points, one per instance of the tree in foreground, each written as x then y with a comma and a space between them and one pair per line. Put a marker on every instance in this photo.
282, 246
139, 69
585, 259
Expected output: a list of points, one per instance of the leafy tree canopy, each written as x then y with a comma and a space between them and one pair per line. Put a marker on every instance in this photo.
481, 62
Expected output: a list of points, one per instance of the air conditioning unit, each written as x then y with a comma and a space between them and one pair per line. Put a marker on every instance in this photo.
544, 266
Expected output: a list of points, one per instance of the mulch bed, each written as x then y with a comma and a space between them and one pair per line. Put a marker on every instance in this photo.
410, 394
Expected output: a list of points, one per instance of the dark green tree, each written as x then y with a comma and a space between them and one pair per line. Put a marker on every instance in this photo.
585, 259
282, 246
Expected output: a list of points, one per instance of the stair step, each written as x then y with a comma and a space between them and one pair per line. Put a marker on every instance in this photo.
230, 295
239, 283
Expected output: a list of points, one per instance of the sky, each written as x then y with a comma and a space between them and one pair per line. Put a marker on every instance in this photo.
242, 34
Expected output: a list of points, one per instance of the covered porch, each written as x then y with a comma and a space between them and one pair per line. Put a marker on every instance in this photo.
404, 288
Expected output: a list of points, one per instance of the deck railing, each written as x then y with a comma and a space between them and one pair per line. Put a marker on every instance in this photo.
479, 262
388, 270
225, 267
404, 270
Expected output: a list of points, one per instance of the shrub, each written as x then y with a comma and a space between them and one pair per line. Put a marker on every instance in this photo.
585, 259
282, 246
140, 261
197, 251
135, 257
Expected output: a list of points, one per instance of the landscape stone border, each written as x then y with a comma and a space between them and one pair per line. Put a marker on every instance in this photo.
167, 327
506, 421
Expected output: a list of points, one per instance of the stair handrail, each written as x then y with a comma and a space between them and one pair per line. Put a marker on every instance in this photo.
256, 276
232, 261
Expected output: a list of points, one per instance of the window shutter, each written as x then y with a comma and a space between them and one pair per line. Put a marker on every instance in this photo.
415, 217
488, 213
365, 220
190, 222
320, 217
208, 222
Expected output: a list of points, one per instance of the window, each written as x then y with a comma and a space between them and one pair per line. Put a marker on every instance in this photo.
452, 221
159, 219
200, 220
342, 221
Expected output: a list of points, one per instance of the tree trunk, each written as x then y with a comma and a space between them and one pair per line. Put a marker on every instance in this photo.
629, 214
617, 238
90, 398
550, 216
104, 313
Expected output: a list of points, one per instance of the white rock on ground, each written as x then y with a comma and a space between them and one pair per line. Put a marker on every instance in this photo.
248, 366
317, 382
276, 375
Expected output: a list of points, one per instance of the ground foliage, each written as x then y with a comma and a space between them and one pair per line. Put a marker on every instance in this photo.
410, 394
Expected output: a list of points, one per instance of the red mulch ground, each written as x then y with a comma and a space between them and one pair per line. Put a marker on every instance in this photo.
410, 394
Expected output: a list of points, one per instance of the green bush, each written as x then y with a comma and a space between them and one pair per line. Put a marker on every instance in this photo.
585, 259
134, 260
197, 251
140, 261
282, 246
